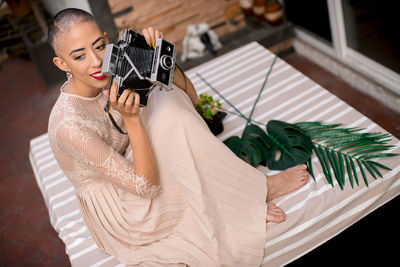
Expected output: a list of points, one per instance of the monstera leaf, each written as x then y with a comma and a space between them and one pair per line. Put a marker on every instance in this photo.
285, 145
289, 145
252, 147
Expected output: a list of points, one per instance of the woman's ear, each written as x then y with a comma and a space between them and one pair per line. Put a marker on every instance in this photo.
60, 63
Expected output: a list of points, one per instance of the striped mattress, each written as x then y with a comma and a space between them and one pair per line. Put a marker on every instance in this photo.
315, 212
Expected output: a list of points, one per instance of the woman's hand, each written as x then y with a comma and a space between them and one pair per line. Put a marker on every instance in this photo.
127, 104
151, 35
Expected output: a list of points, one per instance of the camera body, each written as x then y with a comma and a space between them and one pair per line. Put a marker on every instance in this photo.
134, 64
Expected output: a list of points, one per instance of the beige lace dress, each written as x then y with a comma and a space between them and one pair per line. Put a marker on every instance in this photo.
209, 209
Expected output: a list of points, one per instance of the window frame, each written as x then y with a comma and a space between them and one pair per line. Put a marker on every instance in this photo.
340, 51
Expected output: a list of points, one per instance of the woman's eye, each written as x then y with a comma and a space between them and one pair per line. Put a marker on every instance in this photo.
101, 47
78, 57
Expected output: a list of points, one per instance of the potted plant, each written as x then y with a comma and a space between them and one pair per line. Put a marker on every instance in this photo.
209, 109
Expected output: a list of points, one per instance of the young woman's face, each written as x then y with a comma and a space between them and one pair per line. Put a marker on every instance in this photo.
81, 51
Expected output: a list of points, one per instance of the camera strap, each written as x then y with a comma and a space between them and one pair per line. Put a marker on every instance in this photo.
107, 109
115, 124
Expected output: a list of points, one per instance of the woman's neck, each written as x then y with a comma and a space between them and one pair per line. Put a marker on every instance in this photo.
77, 88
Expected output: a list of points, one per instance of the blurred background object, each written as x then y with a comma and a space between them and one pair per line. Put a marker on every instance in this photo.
19, 8
198, 40
273, 12
23, 31
24, 25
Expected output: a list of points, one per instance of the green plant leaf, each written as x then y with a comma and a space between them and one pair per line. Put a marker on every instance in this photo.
349, 172
310, 168
325, 169
362, 173
294, 146
371, 164
378, 155
335, 165
234, 144
353, 168
368, 167
338, 148
252, 147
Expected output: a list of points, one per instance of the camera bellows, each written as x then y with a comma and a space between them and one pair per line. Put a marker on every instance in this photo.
143, 60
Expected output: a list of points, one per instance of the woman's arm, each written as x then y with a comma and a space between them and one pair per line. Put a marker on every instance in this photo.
74, 138
182, 81
143, 158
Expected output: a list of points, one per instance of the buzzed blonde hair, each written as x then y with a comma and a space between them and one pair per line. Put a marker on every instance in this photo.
63, 21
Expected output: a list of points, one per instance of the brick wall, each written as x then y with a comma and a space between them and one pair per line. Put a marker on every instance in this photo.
173, 16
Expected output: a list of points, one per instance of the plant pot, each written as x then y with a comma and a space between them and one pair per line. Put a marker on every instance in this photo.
215, 124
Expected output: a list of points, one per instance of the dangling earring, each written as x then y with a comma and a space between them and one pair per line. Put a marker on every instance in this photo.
69, 74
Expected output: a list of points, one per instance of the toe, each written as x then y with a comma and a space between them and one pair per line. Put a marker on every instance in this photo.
302, 166
275, 214
275, 218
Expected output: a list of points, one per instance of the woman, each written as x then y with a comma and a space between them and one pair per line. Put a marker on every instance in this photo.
168, 192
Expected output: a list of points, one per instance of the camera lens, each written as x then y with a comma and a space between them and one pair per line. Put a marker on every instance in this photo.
166, 62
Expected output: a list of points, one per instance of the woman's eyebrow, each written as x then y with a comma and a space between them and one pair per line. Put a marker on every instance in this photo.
80, 49
98, 39
76, 50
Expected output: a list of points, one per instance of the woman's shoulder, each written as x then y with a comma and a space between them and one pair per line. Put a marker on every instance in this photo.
63, 108
66, 112
73, 114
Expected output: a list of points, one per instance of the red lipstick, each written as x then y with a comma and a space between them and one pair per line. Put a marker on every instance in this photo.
98, 76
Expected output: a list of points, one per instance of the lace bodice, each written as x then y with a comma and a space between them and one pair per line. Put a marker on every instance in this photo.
89, 149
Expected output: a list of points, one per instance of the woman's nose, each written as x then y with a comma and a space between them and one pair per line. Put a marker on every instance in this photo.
97, 59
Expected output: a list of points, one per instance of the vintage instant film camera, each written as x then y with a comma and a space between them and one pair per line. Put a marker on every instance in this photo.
134, 64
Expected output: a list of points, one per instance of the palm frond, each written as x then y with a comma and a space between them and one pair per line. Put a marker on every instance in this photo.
347, 150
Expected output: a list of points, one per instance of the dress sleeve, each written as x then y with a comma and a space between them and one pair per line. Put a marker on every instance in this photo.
87, 147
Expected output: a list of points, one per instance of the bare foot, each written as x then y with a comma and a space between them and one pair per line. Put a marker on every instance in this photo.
286, 181
275, 214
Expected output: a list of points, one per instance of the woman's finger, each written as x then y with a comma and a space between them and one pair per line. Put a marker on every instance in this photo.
113, 93
148, 34
122, 98
130, 100
137, 102
152, 36
157, 34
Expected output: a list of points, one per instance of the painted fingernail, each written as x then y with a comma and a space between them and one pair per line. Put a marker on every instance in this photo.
114, 84
149, 44
154, 45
